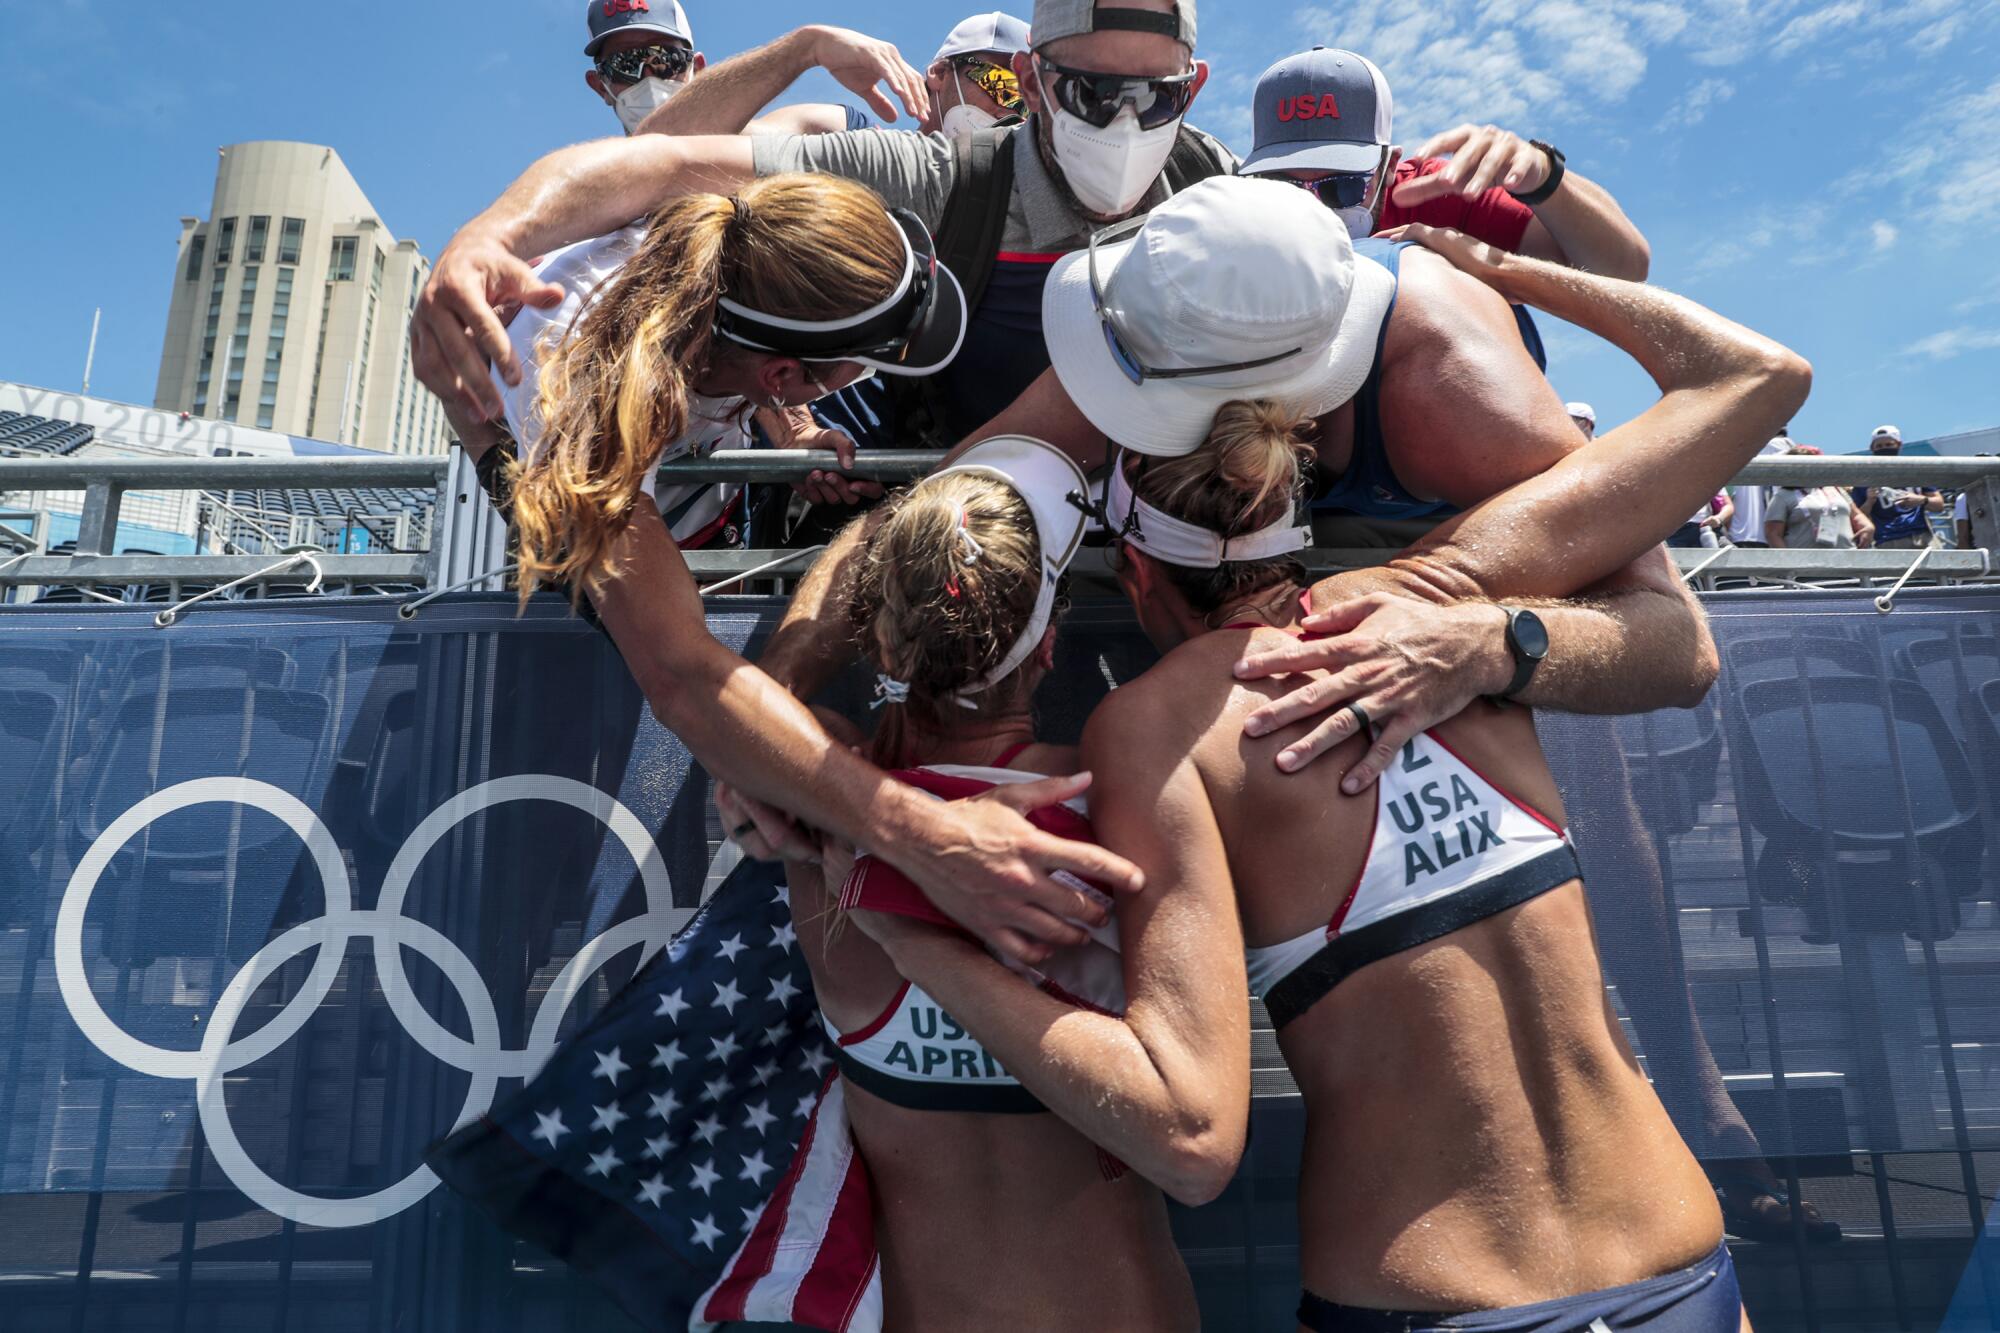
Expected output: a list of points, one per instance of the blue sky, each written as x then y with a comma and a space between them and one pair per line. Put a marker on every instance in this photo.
1825, 172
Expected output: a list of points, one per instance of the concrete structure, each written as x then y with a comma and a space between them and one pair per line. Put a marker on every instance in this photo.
291, 308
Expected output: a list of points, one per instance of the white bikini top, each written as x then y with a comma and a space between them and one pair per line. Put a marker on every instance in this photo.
1448, 849
915, 1054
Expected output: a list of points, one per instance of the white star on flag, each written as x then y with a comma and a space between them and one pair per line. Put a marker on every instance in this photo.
775, 1034
705, 1177
706, 1232
727, 997
707, 1129
722, 1047
732, 946
715, 1090
604, 1163
671, 1005
759, 1117
665, 1104
610, 1066
815, 1059
652, 1188
783, 937
658, 1148
667, 1056
755, 1168
782, 989
750, 1216
549, 1127
765, 1072
805, 1107
608, 1118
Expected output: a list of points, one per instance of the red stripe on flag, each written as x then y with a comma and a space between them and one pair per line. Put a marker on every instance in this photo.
753, 1262
845, 1264
1027, 257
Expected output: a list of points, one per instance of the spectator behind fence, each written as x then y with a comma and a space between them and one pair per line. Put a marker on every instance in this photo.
1706, 527
1749, 502
1901, 515
1823, 517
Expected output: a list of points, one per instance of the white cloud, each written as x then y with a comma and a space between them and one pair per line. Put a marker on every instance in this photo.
1693, 107
1809, 28
1526, 63
1953, 342
1884, 234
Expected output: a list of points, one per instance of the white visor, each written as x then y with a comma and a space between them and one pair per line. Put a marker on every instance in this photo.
1056, 492
1178, 542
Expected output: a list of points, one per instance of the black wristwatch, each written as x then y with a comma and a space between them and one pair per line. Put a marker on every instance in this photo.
1548, 187
1528, 641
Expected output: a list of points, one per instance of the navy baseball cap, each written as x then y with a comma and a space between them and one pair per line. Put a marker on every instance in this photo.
607, 17
1321, 110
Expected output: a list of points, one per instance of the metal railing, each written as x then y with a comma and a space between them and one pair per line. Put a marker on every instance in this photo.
463, 541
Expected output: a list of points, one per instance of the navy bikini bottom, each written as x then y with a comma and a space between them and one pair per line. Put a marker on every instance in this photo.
1701, 1298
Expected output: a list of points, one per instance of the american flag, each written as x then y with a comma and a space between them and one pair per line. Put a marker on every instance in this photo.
688, 1147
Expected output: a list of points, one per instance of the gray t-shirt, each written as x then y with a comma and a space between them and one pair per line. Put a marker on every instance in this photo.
915, 171
1819, 517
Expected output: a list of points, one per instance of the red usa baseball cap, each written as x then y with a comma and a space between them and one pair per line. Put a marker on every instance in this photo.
665, 17
1321, 110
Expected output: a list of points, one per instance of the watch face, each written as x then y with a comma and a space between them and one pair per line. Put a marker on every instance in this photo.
1531, 635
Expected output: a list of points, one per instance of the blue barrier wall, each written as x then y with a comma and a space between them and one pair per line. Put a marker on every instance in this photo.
1793, 884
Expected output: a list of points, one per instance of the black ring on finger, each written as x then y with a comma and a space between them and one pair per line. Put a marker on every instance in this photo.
1360, 719
748, 826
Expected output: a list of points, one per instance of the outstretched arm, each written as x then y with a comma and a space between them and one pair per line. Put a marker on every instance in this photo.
1167, 1086
722, 99
571, 195
1723, 391
1547, 536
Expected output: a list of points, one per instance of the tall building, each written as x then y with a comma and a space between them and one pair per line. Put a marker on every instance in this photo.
291, 308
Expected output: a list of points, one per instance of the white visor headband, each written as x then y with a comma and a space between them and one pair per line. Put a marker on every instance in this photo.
1189, 545
1056, 492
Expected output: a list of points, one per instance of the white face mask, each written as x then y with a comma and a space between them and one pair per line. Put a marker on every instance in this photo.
965, 118
1359, 221
641, 100
1110, 170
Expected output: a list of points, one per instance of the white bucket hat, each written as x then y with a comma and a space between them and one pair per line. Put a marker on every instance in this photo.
1232, 289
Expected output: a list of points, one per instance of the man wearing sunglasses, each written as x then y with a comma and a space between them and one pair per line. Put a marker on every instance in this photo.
971, 77
1324, 121
643, 64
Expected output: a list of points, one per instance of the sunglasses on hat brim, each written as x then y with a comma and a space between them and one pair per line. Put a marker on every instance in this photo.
1096, 99
1128, 361
660, 61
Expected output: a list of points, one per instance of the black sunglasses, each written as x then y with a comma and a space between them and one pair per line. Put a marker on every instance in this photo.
1097, 98
660, 62
1343, 189
1136, 370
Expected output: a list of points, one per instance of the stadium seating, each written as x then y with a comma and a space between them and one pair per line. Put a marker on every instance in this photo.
23, 434
321, 502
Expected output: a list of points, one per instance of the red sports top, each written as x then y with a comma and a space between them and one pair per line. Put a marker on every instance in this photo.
1496, 217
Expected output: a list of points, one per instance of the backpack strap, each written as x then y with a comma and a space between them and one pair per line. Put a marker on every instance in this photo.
975, 217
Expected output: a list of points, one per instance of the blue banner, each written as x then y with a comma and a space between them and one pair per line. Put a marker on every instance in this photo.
290, 891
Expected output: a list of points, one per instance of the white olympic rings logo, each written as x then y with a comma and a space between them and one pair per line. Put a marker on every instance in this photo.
390, 932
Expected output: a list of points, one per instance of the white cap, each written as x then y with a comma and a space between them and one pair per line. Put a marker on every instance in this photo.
1231, 270
1582, 412
1777, 444
981, 33
1887, 433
